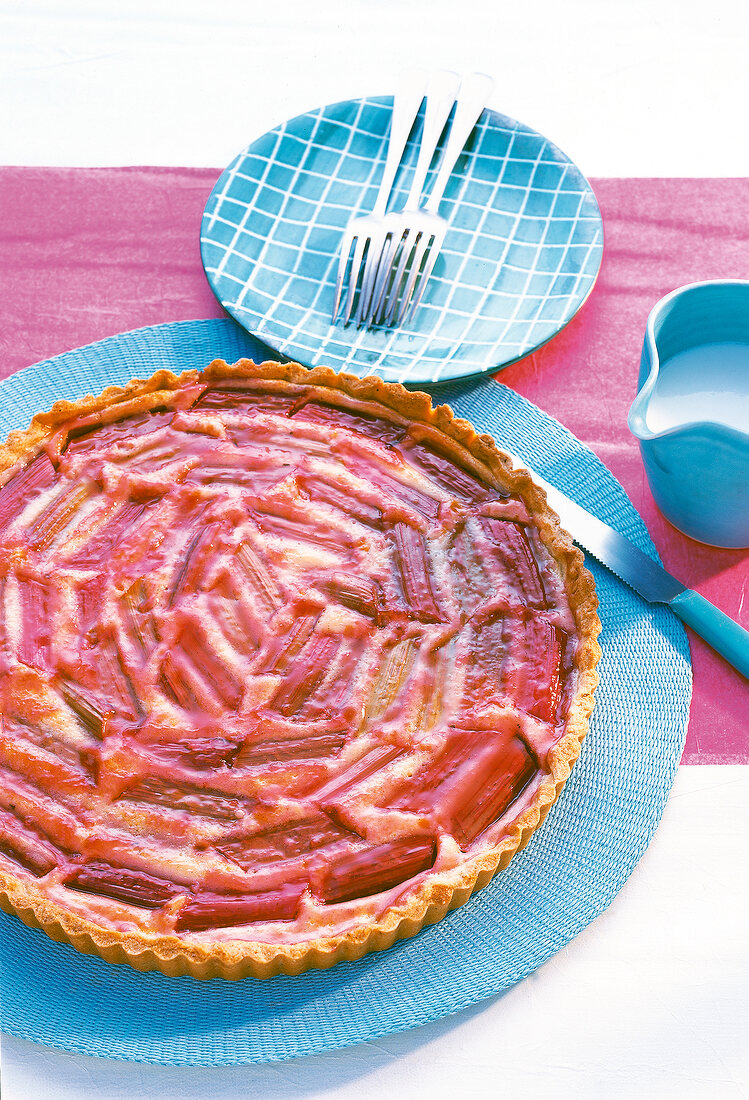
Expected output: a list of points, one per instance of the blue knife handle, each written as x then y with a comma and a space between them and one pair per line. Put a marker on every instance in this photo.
722, 633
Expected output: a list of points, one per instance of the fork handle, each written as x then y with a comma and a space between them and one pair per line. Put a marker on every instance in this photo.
441, 95
474, 92
406, 103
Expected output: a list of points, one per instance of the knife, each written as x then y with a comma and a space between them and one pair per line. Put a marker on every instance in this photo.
648, 579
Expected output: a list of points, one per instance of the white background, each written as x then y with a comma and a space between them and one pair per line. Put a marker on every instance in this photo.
650, 1001
624, 87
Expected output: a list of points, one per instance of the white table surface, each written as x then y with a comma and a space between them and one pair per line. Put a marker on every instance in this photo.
652, 1000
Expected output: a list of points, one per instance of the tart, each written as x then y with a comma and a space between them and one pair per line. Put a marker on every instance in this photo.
291, 663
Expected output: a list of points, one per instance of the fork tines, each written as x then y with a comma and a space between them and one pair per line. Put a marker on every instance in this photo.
394, 253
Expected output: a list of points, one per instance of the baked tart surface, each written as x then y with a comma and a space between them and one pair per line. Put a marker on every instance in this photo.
290, 664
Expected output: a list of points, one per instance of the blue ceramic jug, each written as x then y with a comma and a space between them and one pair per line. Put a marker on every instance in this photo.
691, 414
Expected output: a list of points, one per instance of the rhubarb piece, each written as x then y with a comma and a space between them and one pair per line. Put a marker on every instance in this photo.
512, 549
191, 800
5, 646
315, 747
481, 807
23, 487
507, 507
361, 874
154, 453
60, 770
306, 675
263, 583
411, 558
374, 760
88, 438
426, 790
46, 774
83, 761
471, 783
236, 616
200, 753
207, 910
244, 399
272, 444
90, 597
397, 664
34, 646
175, 685
485, 661
447, 475
373, 427
299, 530
336, 693
239, 472
122, 884
91, 716
550, 698
432, 702
408, 495
288, 841
188, 577
98, 549
342, 500
536, 681
283, 648
59, 514
194, 644
27, 846
471, 585
111, 670
137, 601
359, 593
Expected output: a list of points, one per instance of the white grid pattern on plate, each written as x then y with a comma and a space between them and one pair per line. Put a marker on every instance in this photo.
521, 253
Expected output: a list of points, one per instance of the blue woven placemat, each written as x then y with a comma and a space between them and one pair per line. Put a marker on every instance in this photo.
569, 873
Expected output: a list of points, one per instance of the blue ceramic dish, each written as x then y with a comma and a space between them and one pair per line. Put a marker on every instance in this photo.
521, 254
691, 414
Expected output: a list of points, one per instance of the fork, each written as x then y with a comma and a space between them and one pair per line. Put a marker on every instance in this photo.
441, 96
425, 233
367, 232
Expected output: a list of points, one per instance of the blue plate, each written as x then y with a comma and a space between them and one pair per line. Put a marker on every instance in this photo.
521, 255
568, 874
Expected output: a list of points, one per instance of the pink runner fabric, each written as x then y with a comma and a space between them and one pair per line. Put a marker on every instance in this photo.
87, 253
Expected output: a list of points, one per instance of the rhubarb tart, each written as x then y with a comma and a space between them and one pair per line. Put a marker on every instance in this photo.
291, 663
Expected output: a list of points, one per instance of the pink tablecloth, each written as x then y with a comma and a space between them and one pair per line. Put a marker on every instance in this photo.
87, 253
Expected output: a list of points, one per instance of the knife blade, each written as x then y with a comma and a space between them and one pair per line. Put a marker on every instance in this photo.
647, 578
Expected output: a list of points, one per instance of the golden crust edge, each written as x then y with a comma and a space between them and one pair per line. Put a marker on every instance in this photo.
436, 895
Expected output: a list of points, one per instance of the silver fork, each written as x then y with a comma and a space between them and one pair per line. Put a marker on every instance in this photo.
426, 231
368, 232
441, 95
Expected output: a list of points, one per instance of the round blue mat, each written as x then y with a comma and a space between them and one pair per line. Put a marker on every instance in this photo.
568, 874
